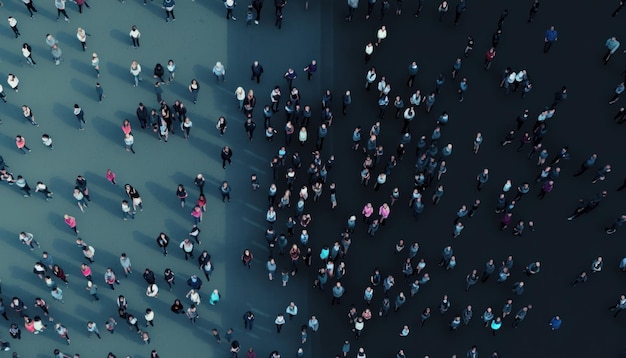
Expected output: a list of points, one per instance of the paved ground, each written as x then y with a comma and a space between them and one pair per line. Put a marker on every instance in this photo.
200, 37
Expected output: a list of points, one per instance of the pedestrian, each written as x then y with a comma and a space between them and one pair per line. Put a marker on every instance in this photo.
63, 332
359, 325
521, 315
69, 220
581, 278
30, 7
60, 5
225, 191
443, 10
226, 155
462, 88
27, 238
489, 56
444, 305
597, 264
134, 36
230, 6
192, 314
495, 325
555, 323
135, 71
611, 45
13, 26
549, 38
168, 6
187, 247
81, 35
338, 291
279, 322
616, 224
215, 297
471, 279
400, 300
467, 314
534, 8
487, 316
279, 20
547, 187
460, 9
27, 53
246, 258
92, 328
618, 91
28, 114
413, 68
311, 68
381, 34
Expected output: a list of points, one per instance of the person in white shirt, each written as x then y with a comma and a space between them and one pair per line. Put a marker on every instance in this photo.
47, 141
135, 70
369, 49
60, 5
381, 35
13, 25
134, 36
129, 141
27, 53
292, 310
13, 81
81, 35
370, 77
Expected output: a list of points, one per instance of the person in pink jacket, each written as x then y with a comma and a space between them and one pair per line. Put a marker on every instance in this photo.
384, 211
20, 142
71, 222
367, 212
110, 176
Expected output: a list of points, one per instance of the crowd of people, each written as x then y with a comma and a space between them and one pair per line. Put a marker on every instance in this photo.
305, 168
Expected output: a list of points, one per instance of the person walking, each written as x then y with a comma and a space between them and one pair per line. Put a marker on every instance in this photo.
230, 6
618, 91
521, 315
219, 72
134, 34
60, 5
621, 305
13, 26
62, 332
489, 56
71, 222
279, 322
27, 53
168, 6
135, 71
80, 116
81, 35
462, 89
20, 143
611, 45
92, 328
616, 224
549, 38
555, 323
226, 154
310, 69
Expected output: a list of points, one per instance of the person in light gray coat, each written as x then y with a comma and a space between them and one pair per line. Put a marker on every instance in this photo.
352, 5
57, 54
